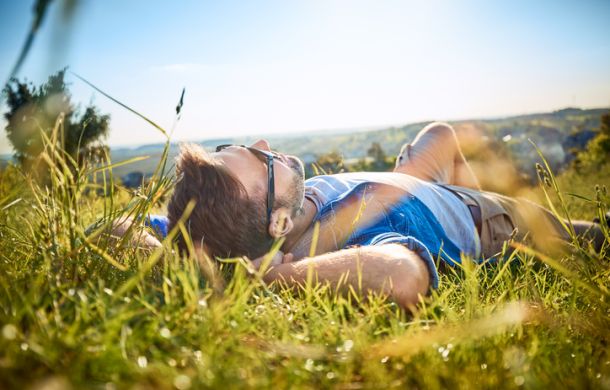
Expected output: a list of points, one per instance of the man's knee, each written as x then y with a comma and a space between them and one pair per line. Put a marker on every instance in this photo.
438, 138
440, 130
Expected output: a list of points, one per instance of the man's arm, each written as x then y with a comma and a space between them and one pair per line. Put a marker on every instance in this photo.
391, 269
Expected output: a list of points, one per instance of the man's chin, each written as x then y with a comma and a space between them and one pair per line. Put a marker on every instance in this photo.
299, 184
297, 165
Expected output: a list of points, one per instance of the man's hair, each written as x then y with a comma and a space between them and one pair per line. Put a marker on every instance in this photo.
225, 219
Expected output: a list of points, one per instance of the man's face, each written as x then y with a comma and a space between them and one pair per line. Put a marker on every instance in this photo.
252, 173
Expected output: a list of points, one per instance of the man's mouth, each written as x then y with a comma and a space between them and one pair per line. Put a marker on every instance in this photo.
291, 161
282, 157
296, 165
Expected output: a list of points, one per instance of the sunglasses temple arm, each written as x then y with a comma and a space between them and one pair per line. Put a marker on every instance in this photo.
271, 190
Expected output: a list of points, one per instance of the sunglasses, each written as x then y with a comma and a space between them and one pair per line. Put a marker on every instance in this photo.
267, 158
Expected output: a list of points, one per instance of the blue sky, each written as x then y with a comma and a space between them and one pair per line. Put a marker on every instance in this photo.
260, 67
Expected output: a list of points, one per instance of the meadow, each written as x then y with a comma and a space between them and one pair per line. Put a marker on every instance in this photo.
78, 310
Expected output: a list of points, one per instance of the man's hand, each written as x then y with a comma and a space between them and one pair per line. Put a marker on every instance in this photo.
140, 237
279, 258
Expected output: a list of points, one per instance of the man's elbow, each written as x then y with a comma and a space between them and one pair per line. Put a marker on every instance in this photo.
411, 283
408, 298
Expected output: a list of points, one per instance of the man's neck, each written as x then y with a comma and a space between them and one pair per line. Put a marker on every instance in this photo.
301, 225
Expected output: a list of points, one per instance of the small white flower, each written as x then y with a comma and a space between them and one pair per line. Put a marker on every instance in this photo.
165, 333
182, 382
9, 331
348, 345
142, 361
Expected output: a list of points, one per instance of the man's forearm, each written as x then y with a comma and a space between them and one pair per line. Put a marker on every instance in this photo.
390, 269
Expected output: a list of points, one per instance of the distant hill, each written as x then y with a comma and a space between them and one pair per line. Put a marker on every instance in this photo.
556, 133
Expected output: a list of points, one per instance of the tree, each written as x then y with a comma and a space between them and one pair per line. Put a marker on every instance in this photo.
598, 149
35, 111
330, 162
379, 158
600, 145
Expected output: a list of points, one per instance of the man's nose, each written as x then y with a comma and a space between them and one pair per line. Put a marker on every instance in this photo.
262, 144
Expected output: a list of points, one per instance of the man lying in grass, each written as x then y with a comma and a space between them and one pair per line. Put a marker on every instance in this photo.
376, 232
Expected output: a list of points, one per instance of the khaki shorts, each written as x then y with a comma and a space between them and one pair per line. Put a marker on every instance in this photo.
504, 218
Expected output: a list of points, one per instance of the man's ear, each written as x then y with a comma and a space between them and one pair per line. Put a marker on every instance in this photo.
281, 223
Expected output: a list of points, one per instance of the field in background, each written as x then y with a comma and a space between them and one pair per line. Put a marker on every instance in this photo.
556, 133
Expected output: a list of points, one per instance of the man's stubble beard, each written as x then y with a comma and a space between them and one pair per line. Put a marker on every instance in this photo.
297, 197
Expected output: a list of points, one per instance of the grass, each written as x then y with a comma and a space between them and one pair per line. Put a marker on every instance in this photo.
79, 312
